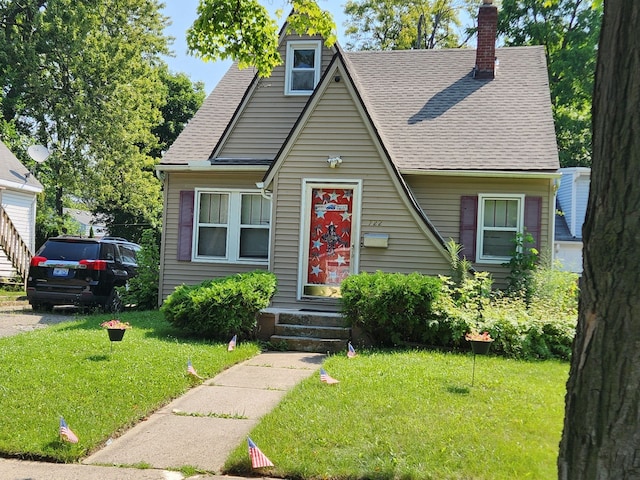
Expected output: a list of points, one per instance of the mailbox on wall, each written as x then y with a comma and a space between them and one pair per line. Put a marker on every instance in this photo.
376, 240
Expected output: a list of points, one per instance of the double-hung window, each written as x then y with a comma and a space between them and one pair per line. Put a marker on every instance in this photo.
500, 218
302, 67
232, 226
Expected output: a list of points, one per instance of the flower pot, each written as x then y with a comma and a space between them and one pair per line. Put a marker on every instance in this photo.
480, 347
115, 334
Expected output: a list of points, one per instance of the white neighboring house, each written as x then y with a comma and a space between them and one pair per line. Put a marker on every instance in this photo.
572, 199
86, 221
18, 192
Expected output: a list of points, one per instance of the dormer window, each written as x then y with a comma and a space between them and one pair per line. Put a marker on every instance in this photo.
302, 67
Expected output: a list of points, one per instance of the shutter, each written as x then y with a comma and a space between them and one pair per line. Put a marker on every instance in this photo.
185, 224
468, 226
533, 218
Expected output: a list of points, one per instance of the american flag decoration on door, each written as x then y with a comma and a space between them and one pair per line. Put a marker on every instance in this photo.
330, 236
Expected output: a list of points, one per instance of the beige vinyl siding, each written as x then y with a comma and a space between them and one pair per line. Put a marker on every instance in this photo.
335, 127
261, 128
174, 272
439, 196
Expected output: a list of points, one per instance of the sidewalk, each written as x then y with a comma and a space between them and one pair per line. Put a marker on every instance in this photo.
173, 437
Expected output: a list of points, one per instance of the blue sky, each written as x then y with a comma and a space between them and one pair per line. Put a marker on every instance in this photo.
182, 14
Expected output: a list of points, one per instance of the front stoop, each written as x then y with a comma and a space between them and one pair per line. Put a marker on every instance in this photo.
318, 332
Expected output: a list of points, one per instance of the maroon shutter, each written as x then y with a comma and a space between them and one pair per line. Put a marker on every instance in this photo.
468, 226
185, 224
533, 218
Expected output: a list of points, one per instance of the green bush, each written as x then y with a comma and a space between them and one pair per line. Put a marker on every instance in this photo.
392, 308
218, 309
537, 331
142, 290
556, 288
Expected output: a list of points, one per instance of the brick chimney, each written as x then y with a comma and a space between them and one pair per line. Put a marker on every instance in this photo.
486, 49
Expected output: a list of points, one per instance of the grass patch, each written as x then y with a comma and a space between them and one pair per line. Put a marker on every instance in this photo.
415, 415
72, 370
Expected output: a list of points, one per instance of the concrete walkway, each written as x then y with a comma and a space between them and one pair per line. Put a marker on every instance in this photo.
199, 429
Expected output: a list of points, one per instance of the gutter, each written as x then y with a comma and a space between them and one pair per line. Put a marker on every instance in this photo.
483, 173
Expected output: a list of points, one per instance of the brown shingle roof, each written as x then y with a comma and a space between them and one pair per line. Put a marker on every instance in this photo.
200, 136
428, 110
432, 115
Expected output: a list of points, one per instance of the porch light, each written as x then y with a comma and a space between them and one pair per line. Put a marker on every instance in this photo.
334, 162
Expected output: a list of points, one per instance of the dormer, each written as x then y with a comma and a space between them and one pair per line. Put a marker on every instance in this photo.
302, 66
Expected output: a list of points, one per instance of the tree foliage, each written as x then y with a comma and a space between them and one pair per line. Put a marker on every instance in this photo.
86, 79
569, 31
243, 30
401, 25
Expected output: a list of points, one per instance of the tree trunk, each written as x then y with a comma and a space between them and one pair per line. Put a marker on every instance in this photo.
601, 438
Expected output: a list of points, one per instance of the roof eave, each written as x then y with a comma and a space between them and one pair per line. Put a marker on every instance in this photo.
484, 173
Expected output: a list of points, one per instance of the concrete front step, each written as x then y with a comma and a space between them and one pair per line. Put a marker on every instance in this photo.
316, 319
314, 331
311, 344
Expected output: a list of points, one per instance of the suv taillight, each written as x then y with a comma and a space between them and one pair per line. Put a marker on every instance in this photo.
94, 264
37, 261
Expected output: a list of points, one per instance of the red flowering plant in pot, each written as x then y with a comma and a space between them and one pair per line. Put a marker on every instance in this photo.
480, 342
115, 328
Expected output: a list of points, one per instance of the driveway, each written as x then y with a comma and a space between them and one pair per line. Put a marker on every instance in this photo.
18, 317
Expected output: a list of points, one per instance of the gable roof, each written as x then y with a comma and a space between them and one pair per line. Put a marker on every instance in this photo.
13, 174
433, 115
201, 135
429, 112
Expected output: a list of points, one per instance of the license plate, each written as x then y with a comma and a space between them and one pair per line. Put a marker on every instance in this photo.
60, 272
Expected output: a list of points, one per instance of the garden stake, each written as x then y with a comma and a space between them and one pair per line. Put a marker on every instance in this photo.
473, 374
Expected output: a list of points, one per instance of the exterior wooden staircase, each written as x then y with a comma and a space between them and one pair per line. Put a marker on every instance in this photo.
310, 331
16, 250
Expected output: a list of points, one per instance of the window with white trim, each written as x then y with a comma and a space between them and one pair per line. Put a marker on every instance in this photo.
232, 226
302, 71
500, 217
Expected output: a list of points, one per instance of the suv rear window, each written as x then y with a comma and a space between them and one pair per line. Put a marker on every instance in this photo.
70, 251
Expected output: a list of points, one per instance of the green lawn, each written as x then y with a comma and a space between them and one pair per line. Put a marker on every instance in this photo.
72, 370
415, 415
394, 415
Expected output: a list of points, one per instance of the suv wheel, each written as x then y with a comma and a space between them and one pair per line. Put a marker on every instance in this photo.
114, 303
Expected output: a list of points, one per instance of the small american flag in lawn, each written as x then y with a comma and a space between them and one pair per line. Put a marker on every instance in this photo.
66, 433
232, 343
191, 370
258, 459
351, 352
326, 378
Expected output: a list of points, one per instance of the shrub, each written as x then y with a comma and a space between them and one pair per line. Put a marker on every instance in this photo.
556, 288
218, 309
528, 332
392, 308
142, 290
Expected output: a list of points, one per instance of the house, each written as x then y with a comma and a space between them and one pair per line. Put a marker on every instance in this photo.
572, 199
345, 162
18, 193
87, 223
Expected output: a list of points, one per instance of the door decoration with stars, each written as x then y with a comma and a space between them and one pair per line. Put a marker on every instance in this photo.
330, 236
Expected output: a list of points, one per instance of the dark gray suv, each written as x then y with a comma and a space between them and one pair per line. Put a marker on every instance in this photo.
81, 271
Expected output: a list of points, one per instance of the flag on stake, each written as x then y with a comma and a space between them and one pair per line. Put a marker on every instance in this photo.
66, 433
258, 459
351, 352
191, 370
326, 378
232, 343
